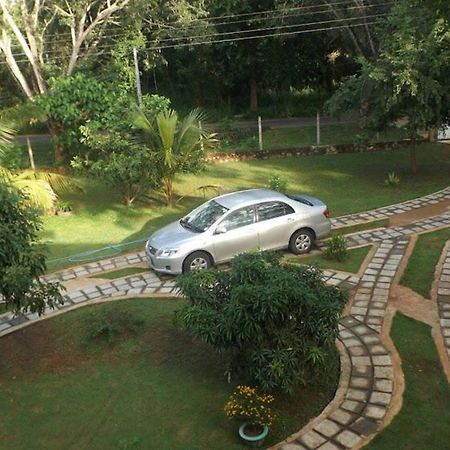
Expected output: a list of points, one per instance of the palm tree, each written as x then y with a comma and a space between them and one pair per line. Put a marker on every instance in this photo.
39, 186
175, 146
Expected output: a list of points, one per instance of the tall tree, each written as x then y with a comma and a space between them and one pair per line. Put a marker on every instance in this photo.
40, 38
58, 33
410, 78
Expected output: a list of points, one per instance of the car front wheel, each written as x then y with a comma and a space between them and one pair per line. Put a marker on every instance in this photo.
301, 242
197, 261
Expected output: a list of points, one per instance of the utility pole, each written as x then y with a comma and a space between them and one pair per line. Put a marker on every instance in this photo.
138, 78
318, 129
260, 136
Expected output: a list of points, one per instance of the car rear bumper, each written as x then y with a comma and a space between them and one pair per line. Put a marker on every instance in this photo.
323, 229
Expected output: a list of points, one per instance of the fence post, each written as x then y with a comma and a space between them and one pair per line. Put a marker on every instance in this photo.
260, 133
318, 129
30, 154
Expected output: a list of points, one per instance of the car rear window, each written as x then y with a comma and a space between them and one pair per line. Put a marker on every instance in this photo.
300, 199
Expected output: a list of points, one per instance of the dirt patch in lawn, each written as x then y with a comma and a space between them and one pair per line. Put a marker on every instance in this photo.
420, 213
33, 350
415, 306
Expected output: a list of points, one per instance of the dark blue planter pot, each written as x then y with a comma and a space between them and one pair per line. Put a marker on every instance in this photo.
253, 441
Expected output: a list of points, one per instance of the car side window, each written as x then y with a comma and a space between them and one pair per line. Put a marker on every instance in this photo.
270, 210
239, 218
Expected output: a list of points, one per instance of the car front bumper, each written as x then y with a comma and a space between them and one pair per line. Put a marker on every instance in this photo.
171, 265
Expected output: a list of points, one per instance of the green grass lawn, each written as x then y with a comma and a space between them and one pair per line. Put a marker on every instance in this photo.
419, 273
424, 420
119, 273
153, 390
275, 138
351, 264
346, 182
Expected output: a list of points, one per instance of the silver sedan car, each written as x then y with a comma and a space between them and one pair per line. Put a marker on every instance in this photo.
235, 223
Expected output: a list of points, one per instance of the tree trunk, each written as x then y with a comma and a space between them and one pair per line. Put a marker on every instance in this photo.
433, 134
55, 128
253, 95
413, 158
168, 189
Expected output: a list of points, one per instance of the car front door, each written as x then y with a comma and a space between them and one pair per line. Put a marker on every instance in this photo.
235, 234
274, 224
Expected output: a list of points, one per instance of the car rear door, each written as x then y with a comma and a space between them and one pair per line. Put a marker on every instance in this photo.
274, 224
240, 234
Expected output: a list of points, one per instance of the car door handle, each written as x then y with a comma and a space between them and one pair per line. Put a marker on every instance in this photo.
290, 219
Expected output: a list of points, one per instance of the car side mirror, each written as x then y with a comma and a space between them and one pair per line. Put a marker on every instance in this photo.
220, 230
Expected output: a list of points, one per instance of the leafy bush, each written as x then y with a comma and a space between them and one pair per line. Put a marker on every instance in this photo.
153, 104
109, 324
361, 142
276, 324
26, 117
336, 248
62, 206
247, 405
392, 180
119, 161
22, 261
277, 183
12, 156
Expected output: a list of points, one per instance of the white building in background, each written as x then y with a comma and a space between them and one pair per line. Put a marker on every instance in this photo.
444, 133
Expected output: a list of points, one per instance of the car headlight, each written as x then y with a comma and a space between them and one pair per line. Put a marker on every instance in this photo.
167, 251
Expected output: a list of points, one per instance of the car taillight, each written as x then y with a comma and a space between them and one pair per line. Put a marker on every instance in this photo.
326, 213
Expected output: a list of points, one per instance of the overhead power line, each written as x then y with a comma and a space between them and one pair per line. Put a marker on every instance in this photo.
278, 12
252, 30
228, 33
210, 42
287, 33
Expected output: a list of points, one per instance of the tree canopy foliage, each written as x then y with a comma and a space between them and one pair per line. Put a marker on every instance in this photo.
22, 261
409, 80
277, 322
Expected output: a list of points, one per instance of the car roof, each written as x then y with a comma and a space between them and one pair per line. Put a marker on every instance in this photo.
249, 197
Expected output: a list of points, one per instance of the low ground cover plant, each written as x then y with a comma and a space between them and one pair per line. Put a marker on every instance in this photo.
277, 183
110, 324
246, 404
336, 248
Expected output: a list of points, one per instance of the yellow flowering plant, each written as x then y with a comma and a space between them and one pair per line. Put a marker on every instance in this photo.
247, 405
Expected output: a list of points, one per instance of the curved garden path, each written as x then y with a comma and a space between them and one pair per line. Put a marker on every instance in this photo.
368, 385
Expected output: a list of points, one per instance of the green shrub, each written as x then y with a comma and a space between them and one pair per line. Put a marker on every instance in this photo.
336, 248
392, 180
275, 324
277, 183
361, 142
63, 206
109, 324
26, 117
13, 157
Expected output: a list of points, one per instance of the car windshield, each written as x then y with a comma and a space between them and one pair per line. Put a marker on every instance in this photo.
204, 216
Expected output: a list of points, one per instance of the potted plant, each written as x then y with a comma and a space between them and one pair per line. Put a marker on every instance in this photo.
253, 410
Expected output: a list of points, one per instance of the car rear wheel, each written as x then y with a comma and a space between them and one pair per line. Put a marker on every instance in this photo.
301, 242
197, 261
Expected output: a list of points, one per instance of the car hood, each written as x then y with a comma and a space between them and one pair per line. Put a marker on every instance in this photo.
171, 236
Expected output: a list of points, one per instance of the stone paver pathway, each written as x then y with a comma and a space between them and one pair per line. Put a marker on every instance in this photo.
443, 298
366, 399
368, 237
387, 211
372, 294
